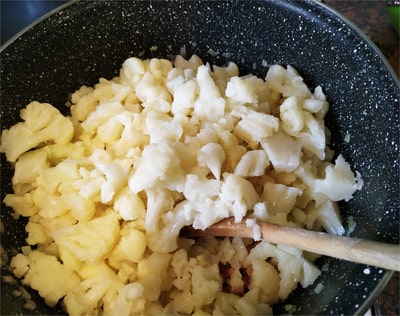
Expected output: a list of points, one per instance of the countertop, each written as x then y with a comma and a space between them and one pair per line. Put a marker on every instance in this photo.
368, 15
371, 17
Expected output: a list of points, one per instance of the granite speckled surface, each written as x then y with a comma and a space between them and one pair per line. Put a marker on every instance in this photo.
371, 17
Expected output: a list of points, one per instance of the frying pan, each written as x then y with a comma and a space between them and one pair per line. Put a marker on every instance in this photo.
84, 40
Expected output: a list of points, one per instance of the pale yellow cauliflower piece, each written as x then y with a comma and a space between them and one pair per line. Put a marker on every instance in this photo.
42, 123
45, 274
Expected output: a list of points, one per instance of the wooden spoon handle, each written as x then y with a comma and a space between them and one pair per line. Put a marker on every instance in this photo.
368, 252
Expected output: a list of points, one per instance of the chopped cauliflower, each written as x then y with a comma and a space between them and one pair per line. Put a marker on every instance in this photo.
42, 123
90, 241
339, 182
107, 190
45, 273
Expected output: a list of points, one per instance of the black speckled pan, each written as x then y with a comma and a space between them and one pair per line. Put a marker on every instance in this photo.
86, 40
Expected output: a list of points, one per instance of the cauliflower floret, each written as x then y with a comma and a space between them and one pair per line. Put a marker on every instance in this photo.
160, 126
45, 274
283, 152
157, 264
303, 125
280, 198
254, 126
164, 238
240, 91
27, 168
59, 178
287, 81
159, 167
42, 123
238, 195
159, 201
101, 115
21, 204
291, 114
339, 182
79, 239
200, 189
252, 163
210, 106
132, 71
100, 283
265, 277
233, 151
128, 301
329, 216
129, 205
223, 74
193, 62
131, 247
212, 155
116, 178
206, 282
184, 97
153, 94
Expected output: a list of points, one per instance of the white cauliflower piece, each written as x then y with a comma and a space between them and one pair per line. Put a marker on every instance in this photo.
280, 198
27, 168
116, 178
291, 115
209, 106
266, 277
212, 155
159, 201
45, 274
160, 126
132, 71
158, 264
193, 62
110, 130
100, 283
21, 204
129, 205
287, 81
82, 209
43, 123
252, 163
310, 273
233, 151
206, 212
240, 91
103, 113
250, 304
185, 96
164, 238
63, 174
159, 167
90, 241
303, 125
128, 301
238, 195
132, 135
339, 182
153, 93
254, 126
329, 217
222, 74
131, 246
283, 152
197, 189
206, 283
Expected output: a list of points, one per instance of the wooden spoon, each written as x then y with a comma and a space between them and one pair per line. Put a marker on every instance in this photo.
368, 252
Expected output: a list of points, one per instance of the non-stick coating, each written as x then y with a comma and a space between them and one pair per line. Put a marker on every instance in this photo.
87, 40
